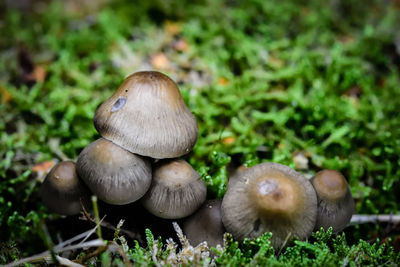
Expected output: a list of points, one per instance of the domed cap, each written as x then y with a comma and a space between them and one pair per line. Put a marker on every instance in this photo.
62, 191
205, 224
270, 197
177, 190
148, 116
335, 203
113, 174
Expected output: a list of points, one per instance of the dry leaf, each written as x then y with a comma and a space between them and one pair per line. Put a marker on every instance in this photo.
6, 96
181, 45
42, 168
228, 140
160, 61
172, 28
223, 81
346, 39
39, 73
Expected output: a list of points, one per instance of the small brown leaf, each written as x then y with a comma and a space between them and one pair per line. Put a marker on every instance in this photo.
6, 96
346, 39
228, 140
160, 61
44, 166
354, 91
172, 28
223, 81
181, 45
39, 73
41, 169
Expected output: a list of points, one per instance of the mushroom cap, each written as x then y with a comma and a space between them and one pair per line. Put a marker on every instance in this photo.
113, 174
234, 177
335, 203
270, 197
205, 224
176, 191
62, 191
148, 116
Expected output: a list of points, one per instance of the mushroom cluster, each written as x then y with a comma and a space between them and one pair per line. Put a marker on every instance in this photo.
271, 197
145, 126
145, 121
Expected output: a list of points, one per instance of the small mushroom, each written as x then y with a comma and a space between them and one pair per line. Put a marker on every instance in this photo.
270, 197
205, 224
62, 191
148, 116
177, 190
335, 203
112, 173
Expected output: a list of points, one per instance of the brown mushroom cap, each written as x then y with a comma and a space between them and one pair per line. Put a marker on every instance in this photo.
270, 197
205, 224
62, 191
335, 203
148, 116
113, 174
177, 190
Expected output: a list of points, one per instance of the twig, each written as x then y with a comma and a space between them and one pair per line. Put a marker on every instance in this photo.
54, 144
73, 239
108, 225
98, 251
380, 218
91, 243
64, 262
123, 254
96, 214
93, 230
46, 254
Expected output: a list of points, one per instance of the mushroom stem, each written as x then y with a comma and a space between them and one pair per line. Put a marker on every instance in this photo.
379, 218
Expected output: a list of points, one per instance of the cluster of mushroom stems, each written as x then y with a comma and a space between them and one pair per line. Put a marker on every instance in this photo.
145, 128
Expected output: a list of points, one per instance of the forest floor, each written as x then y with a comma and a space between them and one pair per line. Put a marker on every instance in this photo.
309, 84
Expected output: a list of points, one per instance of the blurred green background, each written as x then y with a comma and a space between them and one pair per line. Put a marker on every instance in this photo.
309, 84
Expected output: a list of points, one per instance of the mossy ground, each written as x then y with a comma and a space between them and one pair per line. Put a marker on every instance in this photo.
309, 84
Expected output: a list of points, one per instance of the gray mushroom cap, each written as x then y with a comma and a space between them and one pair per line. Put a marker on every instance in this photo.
335, 203
270, 197
112, 173
62, 191
205, 224
177, 190
148, 116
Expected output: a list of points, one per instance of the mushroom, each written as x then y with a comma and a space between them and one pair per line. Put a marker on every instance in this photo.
112, 173
270, 197
148, 116
177, 190
205, 224
62, 191
335, 203
234, 177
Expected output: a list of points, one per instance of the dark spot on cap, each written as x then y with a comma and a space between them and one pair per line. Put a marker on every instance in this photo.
118, 104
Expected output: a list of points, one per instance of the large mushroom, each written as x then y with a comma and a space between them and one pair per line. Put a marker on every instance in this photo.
270, 197
177, 190
148, 116
335, 203
112, 173
62, 191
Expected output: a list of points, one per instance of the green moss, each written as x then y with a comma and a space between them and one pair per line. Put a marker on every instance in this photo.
265, 80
